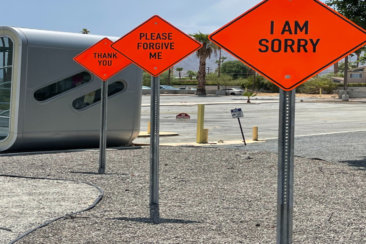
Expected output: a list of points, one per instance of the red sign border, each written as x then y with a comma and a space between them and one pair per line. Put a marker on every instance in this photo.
211, 37
103, 79
156, 75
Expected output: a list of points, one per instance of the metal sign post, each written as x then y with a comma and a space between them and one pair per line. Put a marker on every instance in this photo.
285, 166
267, 52
242, 133
103, 61
143, 46
103, 128
238, 113
154, 149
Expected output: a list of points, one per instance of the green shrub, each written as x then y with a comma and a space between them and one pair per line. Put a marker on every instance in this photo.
164, 79
314, 85
146, 79
236, 69
248, 93
223, 80
260, 84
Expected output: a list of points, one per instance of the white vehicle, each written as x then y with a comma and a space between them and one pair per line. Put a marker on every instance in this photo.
233, 91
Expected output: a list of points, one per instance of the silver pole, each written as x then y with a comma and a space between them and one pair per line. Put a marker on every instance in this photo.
103, 128
154, 149
285, 166
242, 133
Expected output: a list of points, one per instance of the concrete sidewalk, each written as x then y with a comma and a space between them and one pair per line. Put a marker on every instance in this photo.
27, 203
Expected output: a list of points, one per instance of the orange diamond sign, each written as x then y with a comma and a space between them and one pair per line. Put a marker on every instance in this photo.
156, 45
290, 41
102, 60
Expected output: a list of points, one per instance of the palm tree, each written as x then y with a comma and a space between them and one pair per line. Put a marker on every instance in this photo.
336, 68
203, 53
190, 74
170, 72
85, 31
179, 69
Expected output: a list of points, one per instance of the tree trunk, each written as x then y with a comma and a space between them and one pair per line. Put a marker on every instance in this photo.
358, 54
170, 72
219, 64
336, 69
219, 70
201, 77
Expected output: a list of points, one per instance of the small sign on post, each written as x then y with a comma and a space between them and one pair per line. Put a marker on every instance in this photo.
288, 42
237, 113
104, 62
155, 46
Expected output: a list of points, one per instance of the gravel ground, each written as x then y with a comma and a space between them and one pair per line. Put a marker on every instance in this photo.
207, 195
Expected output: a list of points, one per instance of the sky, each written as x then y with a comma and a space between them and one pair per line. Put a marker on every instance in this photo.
118, 17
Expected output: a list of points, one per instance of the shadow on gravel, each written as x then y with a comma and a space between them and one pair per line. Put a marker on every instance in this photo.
361, 164
6, 229
161, 221
44, 151
96, 173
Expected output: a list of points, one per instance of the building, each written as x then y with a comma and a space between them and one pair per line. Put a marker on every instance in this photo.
48, 101
357, 75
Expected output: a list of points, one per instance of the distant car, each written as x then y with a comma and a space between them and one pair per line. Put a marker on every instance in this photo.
188, 88
165, 87
146, 88
233, 91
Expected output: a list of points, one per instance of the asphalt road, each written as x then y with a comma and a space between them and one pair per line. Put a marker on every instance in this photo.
324, 128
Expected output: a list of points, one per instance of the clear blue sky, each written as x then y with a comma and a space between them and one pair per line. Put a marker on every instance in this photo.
117, 17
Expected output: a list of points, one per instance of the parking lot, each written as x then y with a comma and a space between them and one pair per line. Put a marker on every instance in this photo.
325, 127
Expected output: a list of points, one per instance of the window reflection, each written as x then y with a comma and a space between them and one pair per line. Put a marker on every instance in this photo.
94, 96
62, 86
6, 69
